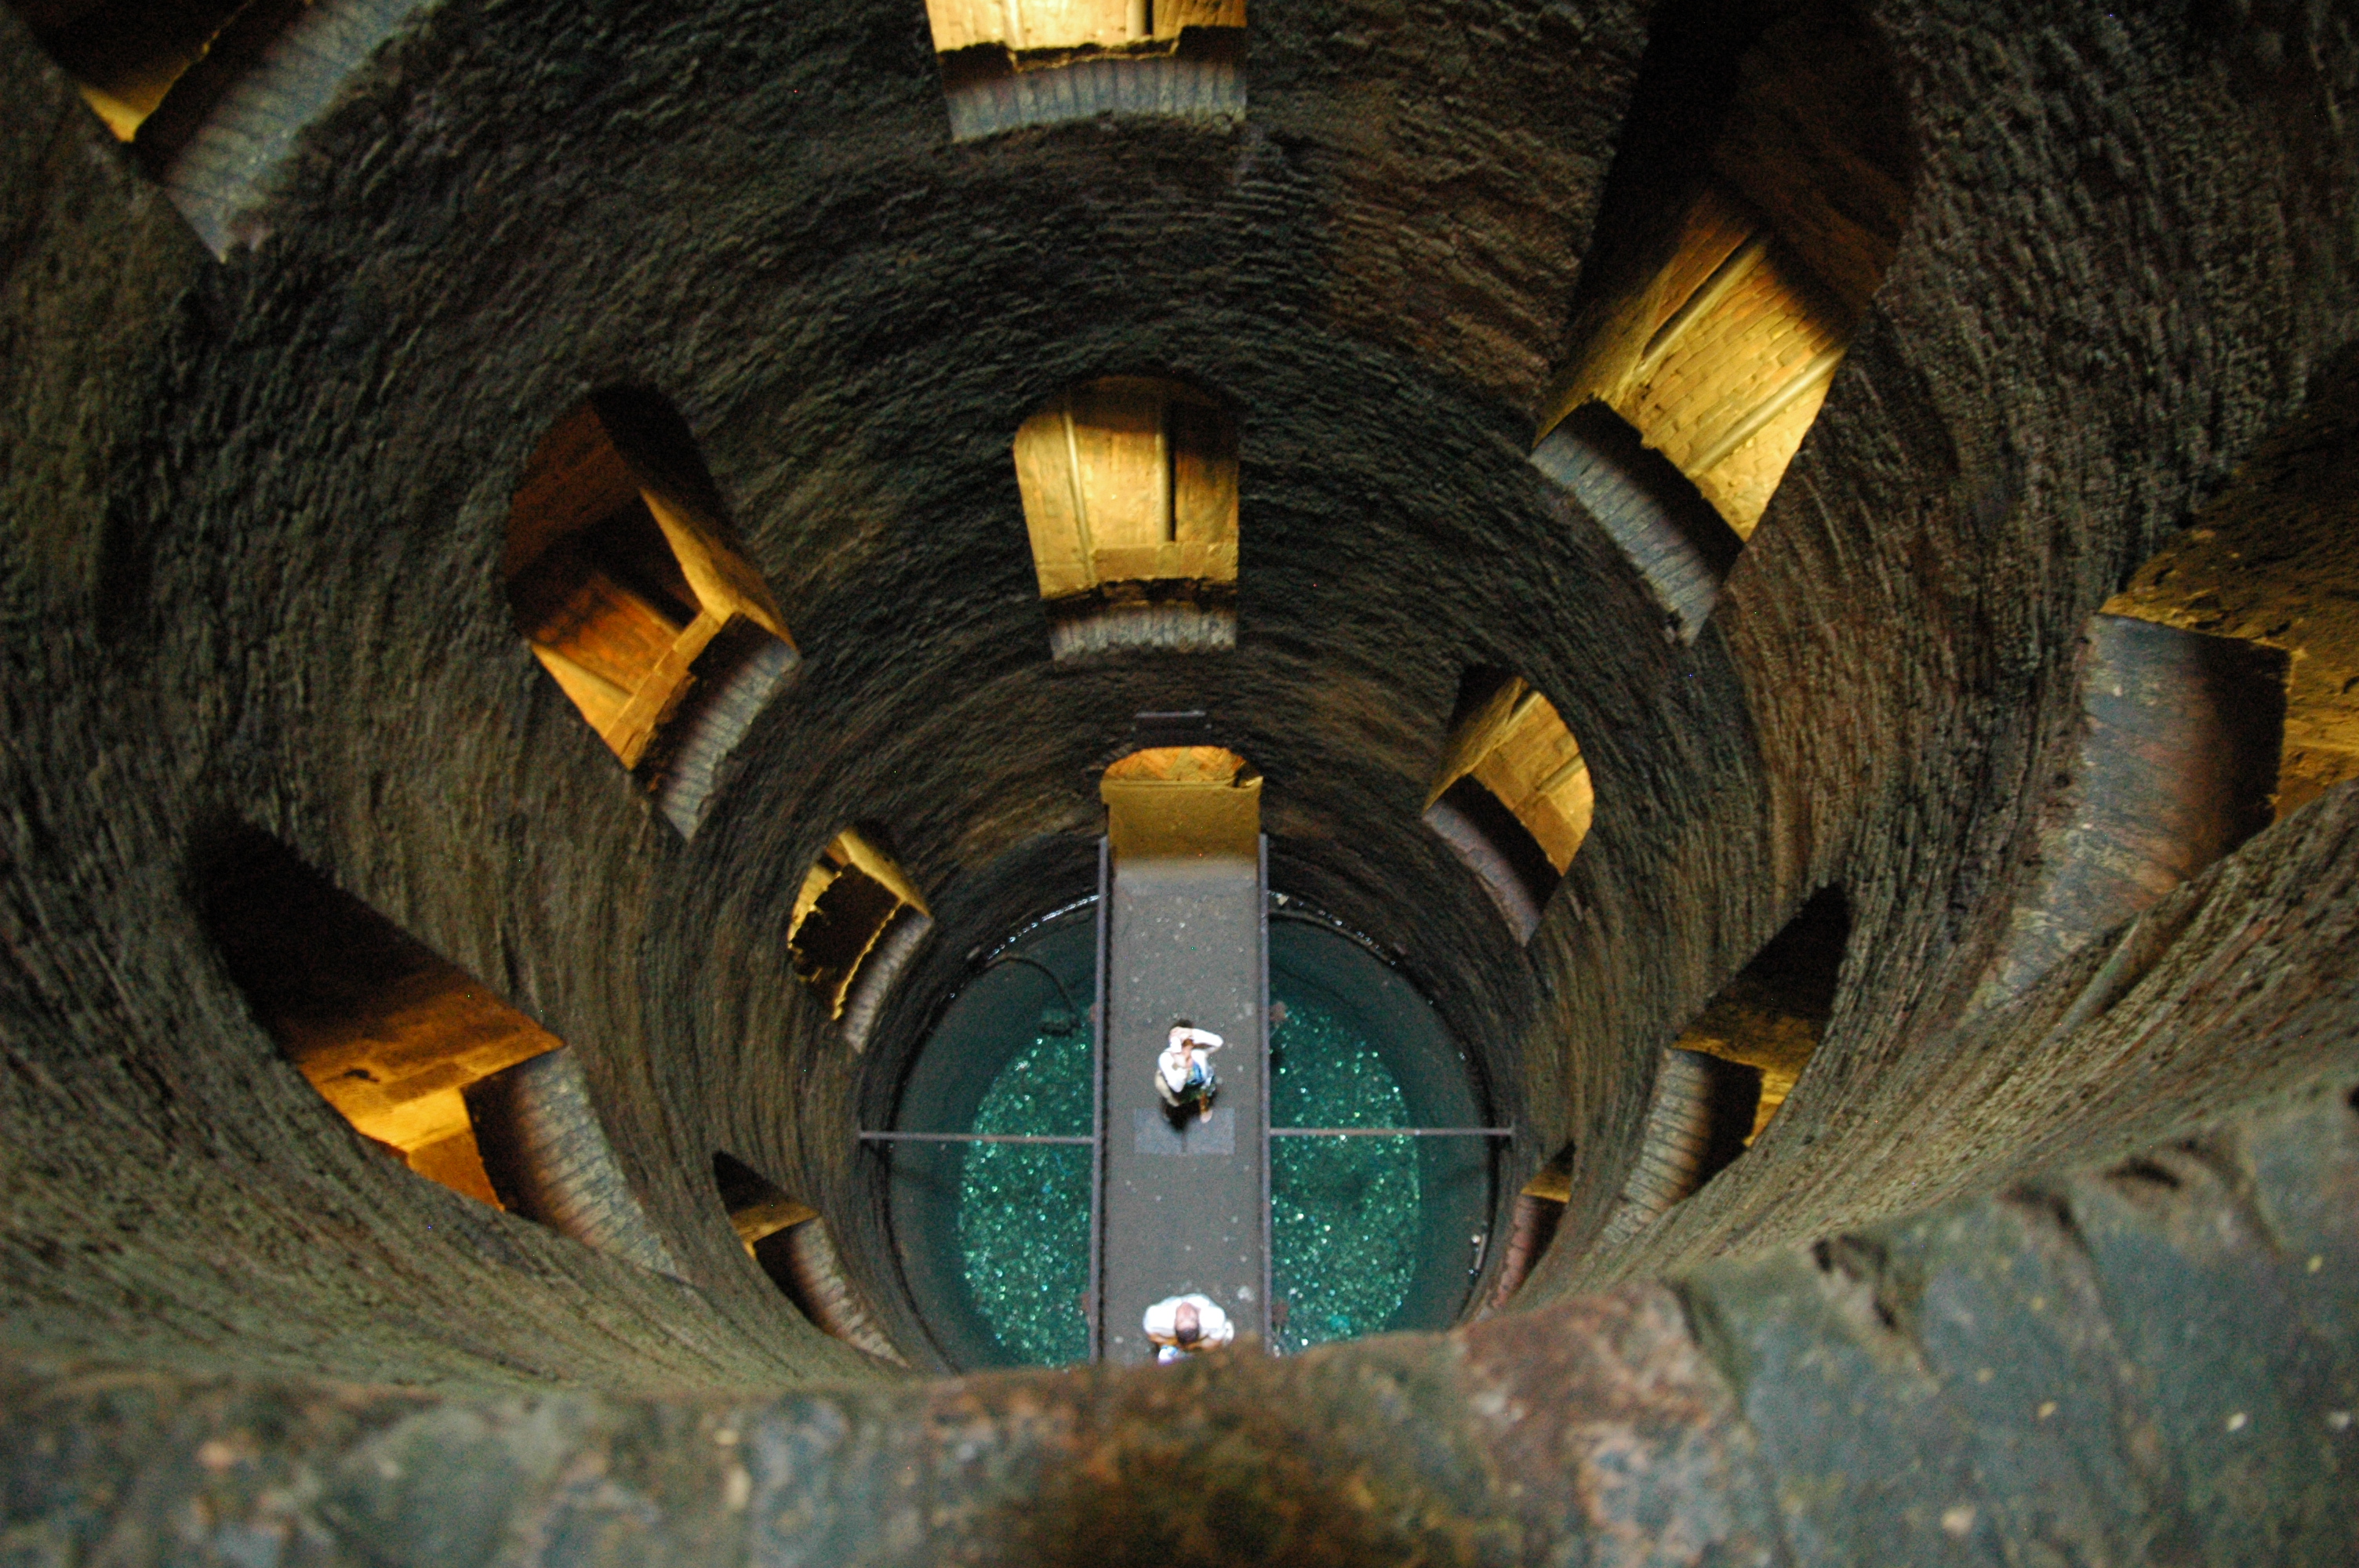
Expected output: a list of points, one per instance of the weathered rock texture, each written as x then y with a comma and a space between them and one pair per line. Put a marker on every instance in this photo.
2148, 1363
253, 518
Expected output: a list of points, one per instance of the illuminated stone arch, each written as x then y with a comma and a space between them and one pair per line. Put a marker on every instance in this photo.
622, 577
1758, 197
1130, 502
1008, 63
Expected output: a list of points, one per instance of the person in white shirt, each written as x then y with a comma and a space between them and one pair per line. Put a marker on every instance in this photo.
1183, 1074
1187, 1325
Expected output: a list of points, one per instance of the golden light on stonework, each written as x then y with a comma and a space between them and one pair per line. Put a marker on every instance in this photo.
850, 897
1043, 27
389, 1032
1513, 744
1712, 317
1182, 802
620, 582
1129, 480
1722, 359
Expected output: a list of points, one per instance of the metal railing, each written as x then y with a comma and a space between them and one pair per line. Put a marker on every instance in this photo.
1095, 1140
974, 1138
1392, 1132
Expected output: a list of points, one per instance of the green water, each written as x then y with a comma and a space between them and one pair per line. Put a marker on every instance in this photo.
1024, 1211
1368, 1234
1343, 1224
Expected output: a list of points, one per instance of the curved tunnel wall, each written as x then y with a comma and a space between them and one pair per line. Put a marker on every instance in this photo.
286, 527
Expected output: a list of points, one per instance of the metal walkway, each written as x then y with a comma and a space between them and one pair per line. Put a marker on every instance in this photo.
1182, 1209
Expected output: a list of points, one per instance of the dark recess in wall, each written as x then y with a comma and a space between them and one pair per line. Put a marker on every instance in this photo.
1764, 1025
1797, 971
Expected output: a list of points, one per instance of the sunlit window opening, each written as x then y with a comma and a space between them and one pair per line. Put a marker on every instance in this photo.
1772, 1013
1716, 1092
1721, 1084
2219, 690
1129, 480
791, 1244
620, 576
1182, 802
542, 1143
2269, 562
1723, 359
1130, 498
1532, 1227
1757, 204
1513, 795
1051, 27
2175, 763
1703, 1110
150, 68
856, 916
1028, 62
390, 1034
212, 97
757, 1209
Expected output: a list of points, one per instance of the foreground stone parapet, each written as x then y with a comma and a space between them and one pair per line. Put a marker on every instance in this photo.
2127, 1365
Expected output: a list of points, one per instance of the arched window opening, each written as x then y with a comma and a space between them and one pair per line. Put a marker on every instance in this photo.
790, 1245
1182, 802
1703, 1113
620, 576
212, 95
1771, 1014
1759, 197
2269, 562
1716, 1089
1008, 63
1731, 1070
391, 1034
1532, 1227
1130, 498
538, 1133
2176, 765
856, 920
1512, 796
151, 68
2220, 691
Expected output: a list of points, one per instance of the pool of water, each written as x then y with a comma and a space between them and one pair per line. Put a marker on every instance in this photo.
1024, 1212
1368, 1234
993, 1238
1343, 1210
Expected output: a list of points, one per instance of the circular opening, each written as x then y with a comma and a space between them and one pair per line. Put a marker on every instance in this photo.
1367, 1234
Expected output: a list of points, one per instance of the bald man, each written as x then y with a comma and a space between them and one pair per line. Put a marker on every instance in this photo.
1187, 1325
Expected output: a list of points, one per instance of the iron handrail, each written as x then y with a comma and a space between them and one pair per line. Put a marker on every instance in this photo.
974, 1138
1392, 1132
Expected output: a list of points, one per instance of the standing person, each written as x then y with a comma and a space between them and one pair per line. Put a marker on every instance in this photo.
1183, 1074
1187, 1325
